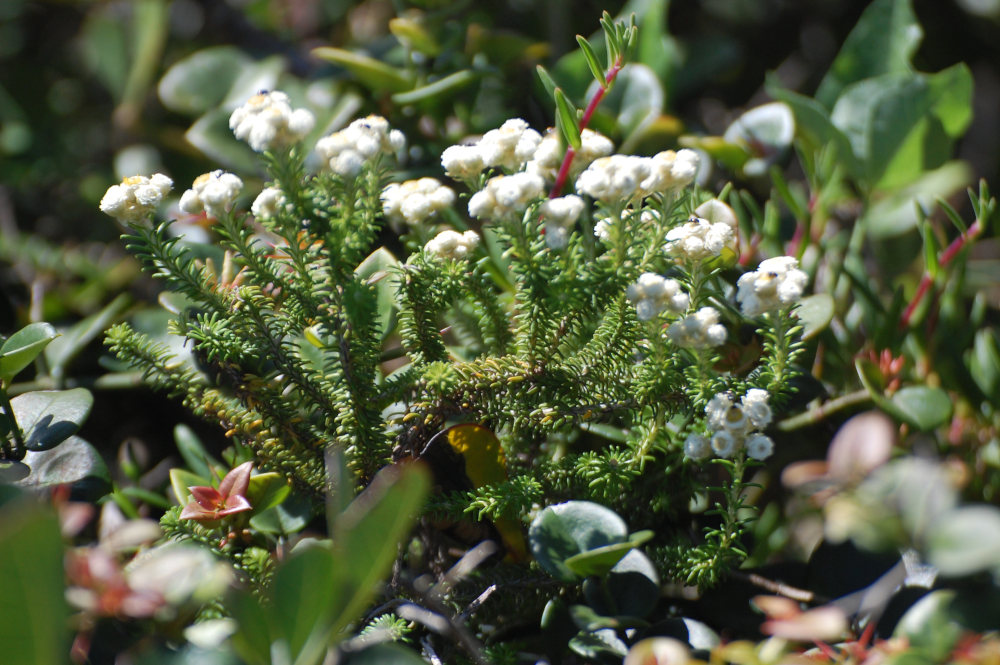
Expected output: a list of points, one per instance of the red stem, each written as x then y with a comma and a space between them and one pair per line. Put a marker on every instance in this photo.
944, 259
584, 121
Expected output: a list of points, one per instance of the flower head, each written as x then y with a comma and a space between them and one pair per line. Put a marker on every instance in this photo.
230, 498
652, 294
452, 244
509, 146
506, 195
267, 121
136, 197
697, 447
776, 283
414, 201
212, 192
614, 178
560, 214
759, 446
463, 162
267, 203
699, 330
698, 239
361, 142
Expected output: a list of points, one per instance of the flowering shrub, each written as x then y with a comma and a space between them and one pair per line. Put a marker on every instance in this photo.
547, 378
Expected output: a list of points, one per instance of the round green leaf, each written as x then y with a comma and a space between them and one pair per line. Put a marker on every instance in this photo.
73, 462
965, 540
564, 530
922, 406
815, 312
201, 81
23, 347
633, 586
48, 417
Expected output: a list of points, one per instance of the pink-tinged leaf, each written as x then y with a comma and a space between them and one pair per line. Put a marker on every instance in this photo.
863, 443
193, 511
235, 504
208, 498
236, 481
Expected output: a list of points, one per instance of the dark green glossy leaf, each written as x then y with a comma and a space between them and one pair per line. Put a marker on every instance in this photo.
595, 65
201, 81
211, 134
195, 456
372, 73
380, 269
33, 611
566, 120
922, 406
367, 534
883, 41
438, 90
73, 462
267, 490
984, 363
182, 479
565, 530
48, 417
291, 516
21, 348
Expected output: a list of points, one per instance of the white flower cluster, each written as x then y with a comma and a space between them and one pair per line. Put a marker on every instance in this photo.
506, 195
212, 192
734, 427
346, 151
414, 201
776, 283
136, 197
268, 202
510, 146
653, 293
452, 244
699, 330
699, 239
551, 151
627, 177
463, 162
560, 214
268, 122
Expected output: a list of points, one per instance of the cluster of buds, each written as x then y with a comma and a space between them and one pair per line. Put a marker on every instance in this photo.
652, 294
268, 122
415, 201
361, 142
699, 330
777, 283
733, 427
452, 244
628, 177
136, 197
214, 193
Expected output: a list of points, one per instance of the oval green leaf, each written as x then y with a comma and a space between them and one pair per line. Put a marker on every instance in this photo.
48, 417
23, 347
965, 540
562, 531
372, 73
199, 82
73, 462
922, 406
815, 312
